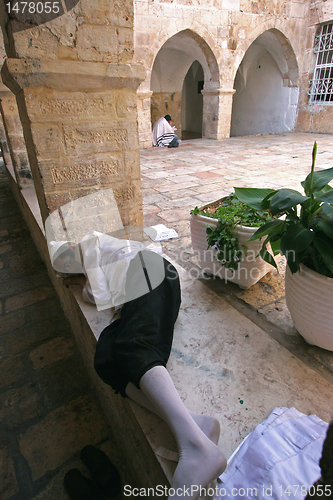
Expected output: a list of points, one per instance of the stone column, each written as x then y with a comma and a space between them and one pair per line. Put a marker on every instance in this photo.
144, 118
15, 139
80, 126
217, 109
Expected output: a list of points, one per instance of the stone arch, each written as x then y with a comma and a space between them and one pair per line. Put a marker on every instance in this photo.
279, 33
169, 69
266, 84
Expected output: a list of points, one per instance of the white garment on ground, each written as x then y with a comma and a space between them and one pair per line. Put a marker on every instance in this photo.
281, 455
163, 133
105, 263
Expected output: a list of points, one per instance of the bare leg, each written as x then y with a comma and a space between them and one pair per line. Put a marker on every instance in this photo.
200, 460
210, 426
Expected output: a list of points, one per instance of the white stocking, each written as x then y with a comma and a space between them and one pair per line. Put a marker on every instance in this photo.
209, 425
200, 460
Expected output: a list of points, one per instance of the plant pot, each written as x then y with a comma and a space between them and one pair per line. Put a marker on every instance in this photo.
309, 298
251, 268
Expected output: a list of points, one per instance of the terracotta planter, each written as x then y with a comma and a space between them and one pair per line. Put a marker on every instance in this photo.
251, 268
309, 298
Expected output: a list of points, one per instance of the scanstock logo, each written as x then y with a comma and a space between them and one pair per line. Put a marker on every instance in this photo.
25, 15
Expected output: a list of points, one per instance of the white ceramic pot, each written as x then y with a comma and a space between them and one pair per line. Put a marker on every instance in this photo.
251, 268
309, 298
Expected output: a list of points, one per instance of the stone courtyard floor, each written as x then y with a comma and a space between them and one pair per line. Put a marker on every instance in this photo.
47, 409
174, 181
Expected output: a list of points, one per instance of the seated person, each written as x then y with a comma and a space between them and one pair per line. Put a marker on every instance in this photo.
132, 352
164, 133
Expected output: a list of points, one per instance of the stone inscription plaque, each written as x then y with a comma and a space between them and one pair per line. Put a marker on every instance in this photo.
85, 140
83, 172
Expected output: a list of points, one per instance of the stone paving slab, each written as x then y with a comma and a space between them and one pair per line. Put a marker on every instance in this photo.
48, 410
213, 169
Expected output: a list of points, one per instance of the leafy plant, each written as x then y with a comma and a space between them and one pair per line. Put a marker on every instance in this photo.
222, 239
305, 234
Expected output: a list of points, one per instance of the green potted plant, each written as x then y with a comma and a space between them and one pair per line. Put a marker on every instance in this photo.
303, 233
220, 231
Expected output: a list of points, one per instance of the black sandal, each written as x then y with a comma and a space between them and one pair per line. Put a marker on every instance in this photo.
80, 487
104, 473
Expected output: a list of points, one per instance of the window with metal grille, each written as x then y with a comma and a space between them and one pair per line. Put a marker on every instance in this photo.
321, 85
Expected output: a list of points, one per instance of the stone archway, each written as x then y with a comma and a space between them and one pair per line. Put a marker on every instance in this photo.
170, 67
266, 85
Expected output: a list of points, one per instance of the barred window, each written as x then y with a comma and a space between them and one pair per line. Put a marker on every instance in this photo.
321, 86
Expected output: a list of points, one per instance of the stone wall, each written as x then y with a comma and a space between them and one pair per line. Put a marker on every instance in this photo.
314, 117
75, 86
218, 36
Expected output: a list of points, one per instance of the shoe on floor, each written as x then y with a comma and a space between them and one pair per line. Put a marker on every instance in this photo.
79, 487
104, 473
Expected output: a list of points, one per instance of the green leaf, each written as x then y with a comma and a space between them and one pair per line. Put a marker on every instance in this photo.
296, 239
285, 199
326, 197
294, 260
325, 223
327, 209
254, 197
275, 245
324, 245
268, 228
320, 179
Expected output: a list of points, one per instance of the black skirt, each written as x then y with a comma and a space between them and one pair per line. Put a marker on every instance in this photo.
142, 337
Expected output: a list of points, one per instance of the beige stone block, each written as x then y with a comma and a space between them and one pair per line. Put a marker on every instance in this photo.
126, 104
65, 27
303, 121
322, 120
297, 9
125, 45
97, 43
117, 13
54, 106
132, 165
61, 434
70, 173
230, 4
68, 53
82, 76
37, 42
99, 137
142, 38
140, 9
48, 140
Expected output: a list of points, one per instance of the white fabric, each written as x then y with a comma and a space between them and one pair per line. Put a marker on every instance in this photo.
163, 133
283, 452
105, 263
54, 246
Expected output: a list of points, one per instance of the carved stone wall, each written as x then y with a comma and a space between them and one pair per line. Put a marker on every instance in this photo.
75, 87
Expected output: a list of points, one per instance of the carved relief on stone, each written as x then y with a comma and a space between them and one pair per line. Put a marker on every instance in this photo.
93, 137
82, 172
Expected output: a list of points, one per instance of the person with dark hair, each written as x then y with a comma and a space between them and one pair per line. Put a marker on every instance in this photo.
132, 352
164, 133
